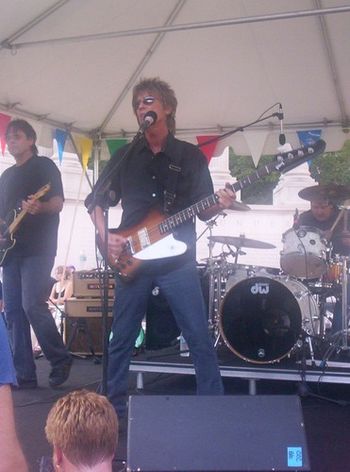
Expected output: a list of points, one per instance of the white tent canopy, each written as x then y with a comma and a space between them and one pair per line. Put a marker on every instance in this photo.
73, 63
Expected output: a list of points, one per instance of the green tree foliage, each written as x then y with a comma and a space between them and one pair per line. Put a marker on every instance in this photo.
331, 167
259, 193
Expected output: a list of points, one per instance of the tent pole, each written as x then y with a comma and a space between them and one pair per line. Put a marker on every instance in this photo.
182, 27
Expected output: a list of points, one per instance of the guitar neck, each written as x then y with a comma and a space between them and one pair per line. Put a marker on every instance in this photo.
187, 214
16, 222
18, 219
253, 177
282, 163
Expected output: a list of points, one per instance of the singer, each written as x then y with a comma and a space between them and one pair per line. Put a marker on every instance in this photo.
169, 175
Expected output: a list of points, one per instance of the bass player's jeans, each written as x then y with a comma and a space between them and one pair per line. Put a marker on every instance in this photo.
182, 289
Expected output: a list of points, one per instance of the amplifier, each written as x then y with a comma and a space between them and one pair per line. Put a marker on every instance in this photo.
86, 307
89, 283
84, 336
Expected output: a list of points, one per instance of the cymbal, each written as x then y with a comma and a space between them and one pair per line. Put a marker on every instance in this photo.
239, 206
241, 241
325, 192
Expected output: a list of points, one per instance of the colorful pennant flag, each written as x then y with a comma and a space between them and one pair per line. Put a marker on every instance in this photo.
4, 121
60, 136
115, 144
207, 149
309, 136
256, 143
84, 146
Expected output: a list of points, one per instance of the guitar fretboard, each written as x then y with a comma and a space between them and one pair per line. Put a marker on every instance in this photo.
187, 214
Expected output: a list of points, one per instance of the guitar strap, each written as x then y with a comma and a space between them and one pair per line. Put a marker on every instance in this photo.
174, 170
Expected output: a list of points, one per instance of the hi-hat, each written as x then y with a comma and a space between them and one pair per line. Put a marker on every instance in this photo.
331, 192
241, 241
239, 206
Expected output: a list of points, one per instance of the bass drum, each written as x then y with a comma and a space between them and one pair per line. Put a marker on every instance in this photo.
262, 317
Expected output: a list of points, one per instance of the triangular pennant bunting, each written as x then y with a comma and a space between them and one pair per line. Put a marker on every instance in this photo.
4, 121
309, 137
60, 136
207, 149
45, 137
256, 142
115, 144
84, 147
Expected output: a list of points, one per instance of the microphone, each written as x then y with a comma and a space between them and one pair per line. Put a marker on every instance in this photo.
148, 120
282, 136
296, 218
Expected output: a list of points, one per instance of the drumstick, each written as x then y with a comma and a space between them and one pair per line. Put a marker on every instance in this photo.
335, 223
345, 221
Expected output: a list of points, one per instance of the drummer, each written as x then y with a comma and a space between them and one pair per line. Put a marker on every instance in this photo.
325, 215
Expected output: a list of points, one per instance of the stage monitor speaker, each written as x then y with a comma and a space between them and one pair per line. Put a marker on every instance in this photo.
161, 327
216, 433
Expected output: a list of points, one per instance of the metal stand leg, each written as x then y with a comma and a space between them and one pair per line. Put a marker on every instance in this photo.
322, 305
139, 381
309, 341
344, 293
252, 386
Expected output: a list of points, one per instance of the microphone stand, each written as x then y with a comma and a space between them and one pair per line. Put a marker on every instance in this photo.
101, 189
240, 128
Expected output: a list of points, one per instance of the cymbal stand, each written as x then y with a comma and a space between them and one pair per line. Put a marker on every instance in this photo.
344, 292
211, 271
209, 227
321, 301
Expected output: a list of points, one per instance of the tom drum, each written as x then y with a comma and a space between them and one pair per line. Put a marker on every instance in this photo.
304, 253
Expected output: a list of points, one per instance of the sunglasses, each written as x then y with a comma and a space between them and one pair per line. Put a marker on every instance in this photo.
145, 101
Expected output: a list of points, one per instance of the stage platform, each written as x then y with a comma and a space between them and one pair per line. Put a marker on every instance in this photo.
326, 406
294, 368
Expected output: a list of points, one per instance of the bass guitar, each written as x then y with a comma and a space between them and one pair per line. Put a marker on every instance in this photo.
15, 217
152, 238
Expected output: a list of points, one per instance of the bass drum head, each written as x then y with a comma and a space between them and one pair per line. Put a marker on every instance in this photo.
260, 319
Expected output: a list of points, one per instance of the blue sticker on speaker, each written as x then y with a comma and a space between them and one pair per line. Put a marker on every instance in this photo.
295, 457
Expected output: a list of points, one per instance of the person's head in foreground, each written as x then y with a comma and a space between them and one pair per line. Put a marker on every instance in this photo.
82, 428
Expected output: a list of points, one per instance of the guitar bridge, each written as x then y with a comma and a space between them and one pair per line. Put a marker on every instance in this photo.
129, 247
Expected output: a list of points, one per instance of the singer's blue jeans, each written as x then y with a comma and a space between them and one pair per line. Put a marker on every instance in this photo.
182, 289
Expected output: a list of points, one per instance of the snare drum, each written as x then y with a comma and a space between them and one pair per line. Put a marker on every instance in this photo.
262, 317
304, 253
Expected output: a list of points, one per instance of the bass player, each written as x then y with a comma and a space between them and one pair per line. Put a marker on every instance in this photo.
172, 175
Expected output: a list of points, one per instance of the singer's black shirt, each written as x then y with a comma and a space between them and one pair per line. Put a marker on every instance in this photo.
140, 181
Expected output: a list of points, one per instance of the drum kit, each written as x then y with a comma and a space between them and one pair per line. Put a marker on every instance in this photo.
263, 314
